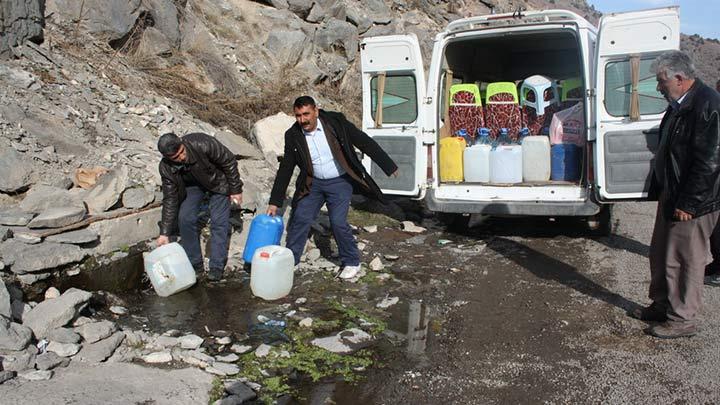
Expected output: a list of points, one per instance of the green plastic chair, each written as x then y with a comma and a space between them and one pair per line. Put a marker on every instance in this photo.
470, 88
501, 87
569, 85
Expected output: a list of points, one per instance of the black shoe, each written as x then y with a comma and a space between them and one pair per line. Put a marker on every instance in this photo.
215, 274
652, 313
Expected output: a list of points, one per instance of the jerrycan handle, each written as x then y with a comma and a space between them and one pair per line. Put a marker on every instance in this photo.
159, 269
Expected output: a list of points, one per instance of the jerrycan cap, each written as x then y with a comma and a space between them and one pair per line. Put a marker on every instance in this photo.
265, 255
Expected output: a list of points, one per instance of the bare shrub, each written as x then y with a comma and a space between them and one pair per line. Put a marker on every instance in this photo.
236, 113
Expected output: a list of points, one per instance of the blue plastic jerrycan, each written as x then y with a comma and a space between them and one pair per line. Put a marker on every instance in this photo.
264, 230
565, 162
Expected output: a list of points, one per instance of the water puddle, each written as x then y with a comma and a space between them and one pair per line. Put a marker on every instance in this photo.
229, 307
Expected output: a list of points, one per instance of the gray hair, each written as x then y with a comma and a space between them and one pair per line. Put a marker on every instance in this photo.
674, 63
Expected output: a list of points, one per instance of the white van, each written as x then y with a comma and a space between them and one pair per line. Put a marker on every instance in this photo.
618, 155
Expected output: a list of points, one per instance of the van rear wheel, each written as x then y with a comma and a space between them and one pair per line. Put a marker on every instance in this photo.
601, 223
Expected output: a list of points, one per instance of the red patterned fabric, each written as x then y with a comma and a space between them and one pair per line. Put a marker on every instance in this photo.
503, 116
534, 122
468, 115
547, 95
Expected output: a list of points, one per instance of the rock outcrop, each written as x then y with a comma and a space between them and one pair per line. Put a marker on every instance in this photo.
20, 21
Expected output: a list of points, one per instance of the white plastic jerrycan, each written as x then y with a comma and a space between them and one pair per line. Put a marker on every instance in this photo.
169, 269
271, 275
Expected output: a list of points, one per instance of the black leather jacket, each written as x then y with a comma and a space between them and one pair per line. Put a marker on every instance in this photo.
689, 154
212, 164
348, 137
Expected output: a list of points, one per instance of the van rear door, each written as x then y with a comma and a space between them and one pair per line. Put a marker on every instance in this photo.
628, 107
394, 78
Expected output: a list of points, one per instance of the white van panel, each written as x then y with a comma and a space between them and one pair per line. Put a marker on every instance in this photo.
398, 58
625, 149
639, 31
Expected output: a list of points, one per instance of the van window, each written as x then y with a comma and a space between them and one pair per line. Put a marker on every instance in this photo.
618, 88
399, 99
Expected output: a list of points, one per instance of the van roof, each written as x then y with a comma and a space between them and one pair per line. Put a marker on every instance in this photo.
517, 18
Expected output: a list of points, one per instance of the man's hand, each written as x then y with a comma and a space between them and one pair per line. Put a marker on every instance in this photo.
271, 210
162, 240
236, 199
681, 215
395, 173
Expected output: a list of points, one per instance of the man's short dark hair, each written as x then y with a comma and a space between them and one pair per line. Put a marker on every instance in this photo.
302, 101
169, 144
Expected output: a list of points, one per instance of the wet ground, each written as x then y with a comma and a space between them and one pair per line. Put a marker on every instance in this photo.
510, 311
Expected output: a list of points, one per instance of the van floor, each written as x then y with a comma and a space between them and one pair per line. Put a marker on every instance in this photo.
523, 184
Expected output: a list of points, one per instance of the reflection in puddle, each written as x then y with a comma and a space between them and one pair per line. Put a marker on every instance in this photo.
417, 328
413, 319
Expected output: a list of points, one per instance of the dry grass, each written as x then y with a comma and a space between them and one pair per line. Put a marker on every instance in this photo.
181, 77
236, 113
44, 75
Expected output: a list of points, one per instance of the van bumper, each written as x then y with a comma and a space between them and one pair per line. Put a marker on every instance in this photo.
530, 208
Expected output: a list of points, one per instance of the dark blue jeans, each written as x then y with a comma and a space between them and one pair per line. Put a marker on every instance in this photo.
336, 193
219, 206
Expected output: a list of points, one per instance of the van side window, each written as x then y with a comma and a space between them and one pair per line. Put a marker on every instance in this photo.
618, 88
399, 101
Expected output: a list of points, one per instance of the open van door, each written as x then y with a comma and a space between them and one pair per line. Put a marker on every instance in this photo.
393, 78
628, 107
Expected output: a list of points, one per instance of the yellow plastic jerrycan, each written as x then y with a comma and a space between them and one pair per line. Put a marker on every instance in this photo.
451, 159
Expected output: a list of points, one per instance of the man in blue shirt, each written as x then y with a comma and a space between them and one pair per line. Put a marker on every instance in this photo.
322, 145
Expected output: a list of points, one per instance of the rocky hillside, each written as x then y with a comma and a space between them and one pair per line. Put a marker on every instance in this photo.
706, 55
231, 62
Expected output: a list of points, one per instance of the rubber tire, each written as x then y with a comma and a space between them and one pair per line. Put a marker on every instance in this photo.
603, 220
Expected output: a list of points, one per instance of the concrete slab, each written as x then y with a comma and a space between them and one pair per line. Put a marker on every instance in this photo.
116, 383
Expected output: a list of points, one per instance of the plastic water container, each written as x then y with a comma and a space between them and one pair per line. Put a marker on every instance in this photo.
169, 269
265, 230
451, 159
271, 276
536, 158
565, 164
506, 164
476, 161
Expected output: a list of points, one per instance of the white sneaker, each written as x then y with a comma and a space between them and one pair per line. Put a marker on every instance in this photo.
349, 272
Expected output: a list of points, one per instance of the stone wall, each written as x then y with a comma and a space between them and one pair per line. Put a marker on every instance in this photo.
20, 21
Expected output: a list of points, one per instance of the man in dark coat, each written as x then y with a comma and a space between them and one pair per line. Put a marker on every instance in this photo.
712, 271
687, 178
321, 144
194, 167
